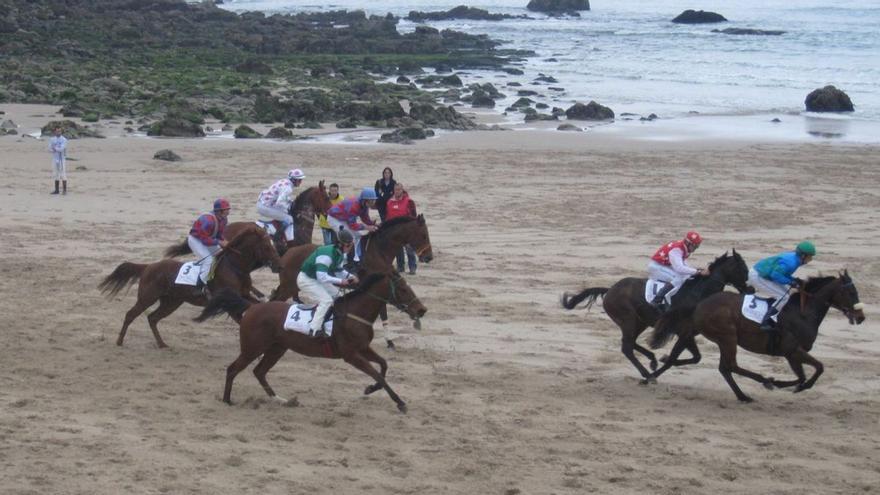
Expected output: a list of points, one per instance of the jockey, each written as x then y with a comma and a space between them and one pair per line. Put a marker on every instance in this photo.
322, 275
774, 276
668, 265
345, 216
205, 237
275, 201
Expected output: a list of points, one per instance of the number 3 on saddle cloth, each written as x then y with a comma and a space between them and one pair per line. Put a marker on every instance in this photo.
755, 308
189, 274
299, 316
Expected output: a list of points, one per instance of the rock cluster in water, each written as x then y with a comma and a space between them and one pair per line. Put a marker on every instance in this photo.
698, 17
828, 99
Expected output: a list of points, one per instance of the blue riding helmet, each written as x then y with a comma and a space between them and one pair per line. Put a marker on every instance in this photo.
368, 193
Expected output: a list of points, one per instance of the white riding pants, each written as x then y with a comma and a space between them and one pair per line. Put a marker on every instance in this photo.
201, 251
769, 288
665, 273
313, 292
278, 213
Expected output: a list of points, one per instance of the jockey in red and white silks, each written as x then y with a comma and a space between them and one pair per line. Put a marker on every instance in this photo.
205, 237
274, 202
668, 263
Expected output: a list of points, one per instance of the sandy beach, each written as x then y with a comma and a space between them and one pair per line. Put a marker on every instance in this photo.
508, 393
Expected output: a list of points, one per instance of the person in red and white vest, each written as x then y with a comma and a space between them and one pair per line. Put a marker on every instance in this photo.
400, 205
206, 236
668, 265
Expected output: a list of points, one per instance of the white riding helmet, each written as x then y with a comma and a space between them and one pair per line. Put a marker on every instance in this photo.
296, 174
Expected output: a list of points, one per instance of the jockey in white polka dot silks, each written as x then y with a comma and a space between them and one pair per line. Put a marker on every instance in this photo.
274, 202
774, 277
668, 265
206, 236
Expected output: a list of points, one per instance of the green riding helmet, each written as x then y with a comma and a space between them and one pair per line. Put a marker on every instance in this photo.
806, 248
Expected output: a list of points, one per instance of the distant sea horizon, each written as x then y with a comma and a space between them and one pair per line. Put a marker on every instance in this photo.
629, 56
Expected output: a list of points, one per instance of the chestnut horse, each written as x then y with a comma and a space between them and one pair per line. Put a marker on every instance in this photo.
379, 250
251, 247
626, 306
719, 318
261, 331
311, 202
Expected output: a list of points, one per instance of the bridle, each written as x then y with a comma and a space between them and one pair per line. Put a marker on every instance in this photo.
848, 312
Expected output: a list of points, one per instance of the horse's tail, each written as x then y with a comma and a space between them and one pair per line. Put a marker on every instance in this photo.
224, 301
667, 325
124, 275
590, 295
176, 250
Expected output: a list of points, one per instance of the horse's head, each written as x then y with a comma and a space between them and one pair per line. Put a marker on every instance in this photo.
403, 298
421, 241
255, 244
734, 271
846, 299
320, 199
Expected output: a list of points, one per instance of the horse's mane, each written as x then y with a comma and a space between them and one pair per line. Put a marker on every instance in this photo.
721, 259
387, 227
365, 285
815, 283
248, 230
301, 200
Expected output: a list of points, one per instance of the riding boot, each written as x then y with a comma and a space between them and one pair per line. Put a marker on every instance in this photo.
64, 187
767, 323
56, 188
661, 296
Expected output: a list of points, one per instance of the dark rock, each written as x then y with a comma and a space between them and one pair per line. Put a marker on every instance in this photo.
557, 111
253, 67
828, 99
555, 88
128, 129
8, 124
649, 118
405, 135
435, 80
175, 127
226, 128
90, 117
70, 130
551, 59
590, 111
513, 71
514, 84
245, 132
310, 124
167, 155
546, 79
522, 102
403, 80
558, 6
526, 92
349, 123
442, 117
742, 31
698, 17
482, 100
569, 127
539, 116
279, 133
460, 12
776, 121
487, 88
541, 106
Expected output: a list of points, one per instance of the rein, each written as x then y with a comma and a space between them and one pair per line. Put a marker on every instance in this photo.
392, 301
805, 294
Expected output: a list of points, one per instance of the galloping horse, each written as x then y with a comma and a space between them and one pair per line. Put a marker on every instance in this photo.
626, 306
719, 318
251, 247
261, 331
307, 204
380, 248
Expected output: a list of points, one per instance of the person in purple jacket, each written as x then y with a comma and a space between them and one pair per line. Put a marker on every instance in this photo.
206, 236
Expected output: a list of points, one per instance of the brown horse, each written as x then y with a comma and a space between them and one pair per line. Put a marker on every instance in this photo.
261, 331
625, 304
719, 318
311, 202
251, 247
379, 248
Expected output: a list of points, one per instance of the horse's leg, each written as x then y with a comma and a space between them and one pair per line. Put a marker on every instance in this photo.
726, 367
242, 362
631, 329
167, 305
681, 344
270, 357
648, 354
804, 357
371, 355
357, 360
139, 307
691, 346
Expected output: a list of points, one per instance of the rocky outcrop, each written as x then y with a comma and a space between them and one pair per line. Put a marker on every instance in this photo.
460, 12
167, 155
279, 133
246, 132
434, 81
590, 111
8, 124
175, 127
441, 117
253, 67
558, 6
745, 31
569, 127
828, 99
698, 17
70, 129
405, 135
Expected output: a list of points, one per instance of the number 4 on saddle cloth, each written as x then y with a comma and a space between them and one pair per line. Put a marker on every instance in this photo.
299, 316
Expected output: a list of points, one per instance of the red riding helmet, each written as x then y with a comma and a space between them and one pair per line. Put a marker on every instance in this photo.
221, 204
693, 238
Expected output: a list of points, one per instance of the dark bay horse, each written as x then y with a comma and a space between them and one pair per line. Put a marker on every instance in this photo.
311, 202
625, 304
261, 331
719, 318
251, 247
379, 250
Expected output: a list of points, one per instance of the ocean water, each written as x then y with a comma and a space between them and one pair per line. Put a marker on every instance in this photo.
626, 54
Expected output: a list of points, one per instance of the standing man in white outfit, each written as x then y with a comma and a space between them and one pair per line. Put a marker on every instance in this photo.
274, 202
668, 265
58, 148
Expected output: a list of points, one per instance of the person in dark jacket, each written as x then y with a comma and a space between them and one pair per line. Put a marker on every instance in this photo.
384, 190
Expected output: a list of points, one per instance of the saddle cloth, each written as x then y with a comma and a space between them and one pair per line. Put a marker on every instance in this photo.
189, 274
653, 287
299, 316
269, 227
754, 308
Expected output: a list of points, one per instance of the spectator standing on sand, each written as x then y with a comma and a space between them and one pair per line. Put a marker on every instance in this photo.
58, 148
384, 190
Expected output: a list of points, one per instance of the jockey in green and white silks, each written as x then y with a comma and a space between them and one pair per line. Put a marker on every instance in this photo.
321, 276
774, 276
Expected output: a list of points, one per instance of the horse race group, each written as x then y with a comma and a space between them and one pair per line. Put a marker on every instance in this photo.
677, 299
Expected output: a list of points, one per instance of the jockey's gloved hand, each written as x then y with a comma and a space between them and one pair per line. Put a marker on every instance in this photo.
796, 282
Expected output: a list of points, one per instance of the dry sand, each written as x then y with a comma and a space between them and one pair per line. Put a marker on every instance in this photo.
508, 393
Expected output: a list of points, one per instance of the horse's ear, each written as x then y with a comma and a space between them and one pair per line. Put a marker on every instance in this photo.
421, 219
321, 184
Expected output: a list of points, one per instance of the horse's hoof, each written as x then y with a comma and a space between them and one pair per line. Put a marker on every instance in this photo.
769, 385
799, 389
281, 400
651, 380
653, 365
402, 407
745, 399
